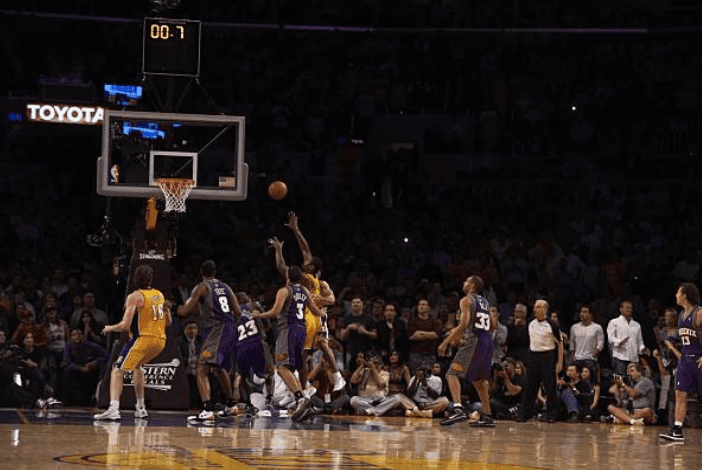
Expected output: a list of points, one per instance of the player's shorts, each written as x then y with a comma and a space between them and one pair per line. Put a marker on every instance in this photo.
253, 358
316, 329
137, 351
219, 346
473, 360
289, 347
689, 376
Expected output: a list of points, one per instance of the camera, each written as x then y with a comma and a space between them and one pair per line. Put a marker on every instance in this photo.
373, 357
617, 378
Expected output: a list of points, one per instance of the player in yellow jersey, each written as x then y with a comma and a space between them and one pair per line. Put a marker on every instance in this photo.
322, 295
145, 318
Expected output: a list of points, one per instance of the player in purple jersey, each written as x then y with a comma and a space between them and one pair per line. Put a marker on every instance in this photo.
474, 357
253, 357
289, 308
219, 310
689, 372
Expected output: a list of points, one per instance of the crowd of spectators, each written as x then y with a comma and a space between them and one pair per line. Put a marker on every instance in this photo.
574, 180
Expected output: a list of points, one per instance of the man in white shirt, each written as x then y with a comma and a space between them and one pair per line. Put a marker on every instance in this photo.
624, 335
586, 342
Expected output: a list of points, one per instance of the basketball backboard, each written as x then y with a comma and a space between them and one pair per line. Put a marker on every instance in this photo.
140, 147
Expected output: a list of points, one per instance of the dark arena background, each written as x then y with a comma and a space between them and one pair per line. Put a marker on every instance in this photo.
551, 148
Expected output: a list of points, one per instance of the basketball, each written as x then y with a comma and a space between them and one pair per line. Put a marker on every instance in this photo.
277, 190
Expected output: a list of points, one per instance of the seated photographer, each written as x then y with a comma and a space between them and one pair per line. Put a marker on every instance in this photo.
425, 389
12, 394
371, 384
577, 393
506, 389
636, 400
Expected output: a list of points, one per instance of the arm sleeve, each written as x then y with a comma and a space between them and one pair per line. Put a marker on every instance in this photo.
612, 333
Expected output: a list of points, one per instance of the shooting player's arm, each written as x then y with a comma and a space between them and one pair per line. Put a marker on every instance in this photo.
280, 265
304, 246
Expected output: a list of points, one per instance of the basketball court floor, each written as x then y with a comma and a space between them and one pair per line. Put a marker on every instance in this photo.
69, 439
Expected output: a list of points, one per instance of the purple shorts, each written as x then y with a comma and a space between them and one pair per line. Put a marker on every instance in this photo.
689, 376
252, 358
219, 346
289, 347
474, 359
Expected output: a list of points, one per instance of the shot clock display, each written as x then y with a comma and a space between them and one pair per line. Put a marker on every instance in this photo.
171, 47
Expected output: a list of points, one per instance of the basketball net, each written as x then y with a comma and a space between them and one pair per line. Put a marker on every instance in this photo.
176, 191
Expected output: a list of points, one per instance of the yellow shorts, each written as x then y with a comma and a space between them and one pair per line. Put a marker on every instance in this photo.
313, 327
138, 351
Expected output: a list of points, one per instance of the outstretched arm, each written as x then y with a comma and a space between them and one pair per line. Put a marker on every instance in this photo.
280, 298
280, 265
304, 246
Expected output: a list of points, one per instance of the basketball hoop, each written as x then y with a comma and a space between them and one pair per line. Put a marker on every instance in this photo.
176, 191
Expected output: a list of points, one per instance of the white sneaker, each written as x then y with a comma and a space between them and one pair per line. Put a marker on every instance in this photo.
309, 391
141, 413
637, 422
109, 414
339, 382
205, 416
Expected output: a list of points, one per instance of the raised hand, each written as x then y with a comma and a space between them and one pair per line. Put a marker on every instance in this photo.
276, 244
292, 221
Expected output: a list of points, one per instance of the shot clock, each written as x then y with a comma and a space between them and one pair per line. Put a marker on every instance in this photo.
171, 47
